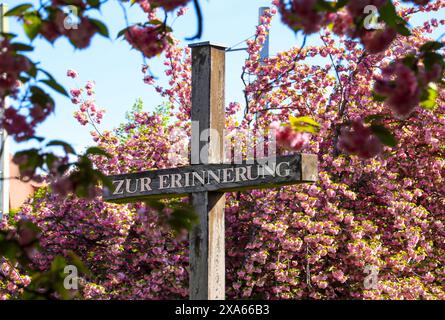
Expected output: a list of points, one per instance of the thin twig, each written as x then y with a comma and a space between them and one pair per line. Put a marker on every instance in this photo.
200, 21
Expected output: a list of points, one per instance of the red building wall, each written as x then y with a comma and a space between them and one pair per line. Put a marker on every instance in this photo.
19, 190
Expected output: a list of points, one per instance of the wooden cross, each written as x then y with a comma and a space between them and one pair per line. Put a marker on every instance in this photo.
208, 180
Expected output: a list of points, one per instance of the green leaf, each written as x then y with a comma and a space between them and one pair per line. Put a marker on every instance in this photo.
40, 97
156, 22
94, 3
122, 32
183, 217
155, 204
170, 40
106, 181
21, 47
58, 264
62, 169
50, 159
49, 75
75, 260
9, 249
31, 25
33, 160
66, 146
304, 124
431, 46
33, 71
19, 10
37, 91
341, 3
37, 138
374, 118
54, 85
402, 29
378, 97
429, 97
388, 13
101, 27
410, 61
384, 135
97, 151
330, 6
8, 36
432, 58
24, 79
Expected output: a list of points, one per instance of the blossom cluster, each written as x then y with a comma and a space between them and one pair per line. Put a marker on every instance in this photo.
167, 5
79, 33
405, 83
289, 138
88, 112
19, 124
150, 40
358, 139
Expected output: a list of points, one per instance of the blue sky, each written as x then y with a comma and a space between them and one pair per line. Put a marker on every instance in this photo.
116, 68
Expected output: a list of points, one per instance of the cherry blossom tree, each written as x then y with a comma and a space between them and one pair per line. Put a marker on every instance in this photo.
371, 228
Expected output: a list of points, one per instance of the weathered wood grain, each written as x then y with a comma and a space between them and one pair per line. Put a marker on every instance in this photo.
207, 249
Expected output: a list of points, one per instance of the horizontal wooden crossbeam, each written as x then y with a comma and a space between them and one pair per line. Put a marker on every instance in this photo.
179, 182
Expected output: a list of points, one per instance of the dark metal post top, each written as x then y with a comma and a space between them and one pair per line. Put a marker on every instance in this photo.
208, 43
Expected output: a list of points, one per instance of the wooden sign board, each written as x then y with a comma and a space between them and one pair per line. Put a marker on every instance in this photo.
179, 182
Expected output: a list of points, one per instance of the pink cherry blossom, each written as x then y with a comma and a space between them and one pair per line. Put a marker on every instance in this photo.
72, 73
151, 41
358, 139
399, 83
290, 139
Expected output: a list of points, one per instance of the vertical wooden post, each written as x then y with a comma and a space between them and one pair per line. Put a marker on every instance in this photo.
207, 248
